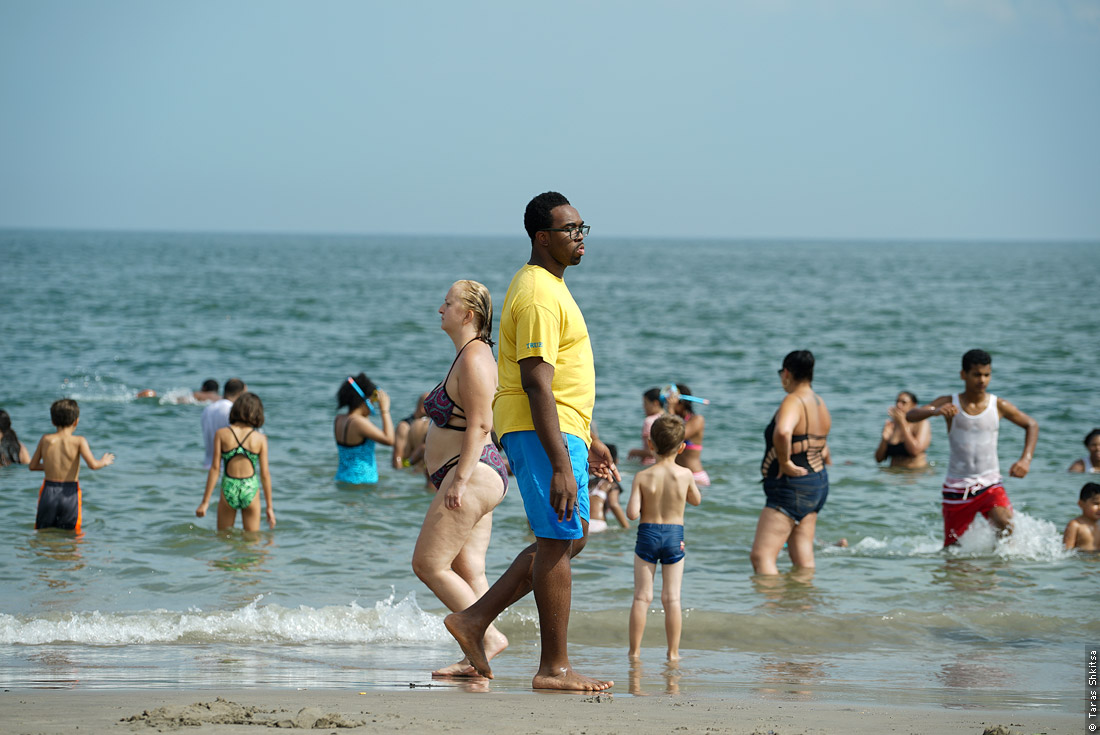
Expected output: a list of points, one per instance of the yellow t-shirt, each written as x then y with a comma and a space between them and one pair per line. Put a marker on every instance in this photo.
541, 319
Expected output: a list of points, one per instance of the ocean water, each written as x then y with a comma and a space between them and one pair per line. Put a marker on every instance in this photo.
150, 596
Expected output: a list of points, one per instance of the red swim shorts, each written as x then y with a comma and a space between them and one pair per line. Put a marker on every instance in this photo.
958, 514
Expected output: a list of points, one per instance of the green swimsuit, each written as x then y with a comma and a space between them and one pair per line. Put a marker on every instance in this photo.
240, 491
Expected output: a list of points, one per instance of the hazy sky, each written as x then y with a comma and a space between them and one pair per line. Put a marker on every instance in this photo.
805, 118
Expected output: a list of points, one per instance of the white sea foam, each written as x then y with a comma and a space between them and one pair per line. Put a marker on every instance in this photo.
1032, 539
387, 621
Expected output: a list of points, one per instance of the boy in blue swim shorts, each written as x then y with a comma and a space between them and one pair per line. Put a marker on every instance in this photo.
658, 497
542, 411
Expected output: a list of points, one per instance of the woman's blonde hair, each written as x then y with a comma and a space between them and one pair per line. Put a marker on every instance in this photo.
476, 298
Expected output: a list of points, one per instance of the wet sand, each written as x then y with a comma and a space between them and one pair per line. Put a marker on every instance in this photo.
432, 710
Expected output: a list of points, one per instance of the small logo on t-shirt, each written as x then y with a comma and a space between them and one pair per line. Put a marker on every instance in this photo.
534, 345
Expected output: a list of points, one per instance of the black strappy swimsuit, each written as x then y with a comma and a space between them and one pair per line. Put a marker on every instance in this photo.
769, 467
441, 408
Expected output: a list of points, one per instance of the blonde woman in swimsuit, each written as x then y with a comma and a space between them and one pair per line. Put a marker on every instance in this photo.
463, 464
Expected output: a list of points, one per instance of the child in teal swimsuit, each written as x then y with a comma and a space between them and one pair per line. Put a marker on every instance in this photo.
244, 454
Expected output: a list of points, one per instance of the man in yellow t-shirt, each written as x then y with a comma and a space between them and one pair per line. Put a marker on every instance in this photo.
542, 412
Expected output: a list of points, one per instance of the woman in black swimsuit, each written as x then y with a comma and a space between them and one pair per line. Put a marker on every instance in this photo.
463, 464
904, 443
796, 483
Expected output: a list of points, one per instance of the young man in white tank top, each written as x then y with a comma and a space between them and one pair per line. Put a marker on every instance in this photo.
973, 482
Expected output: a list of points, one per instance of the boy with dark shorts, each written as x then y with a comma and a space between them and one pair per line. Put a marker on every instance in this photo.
58, 455
658, 497
973, 482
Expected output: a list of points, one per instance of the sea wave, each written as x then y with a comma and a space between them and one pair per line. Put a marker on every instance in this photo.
388, 620
1032, 539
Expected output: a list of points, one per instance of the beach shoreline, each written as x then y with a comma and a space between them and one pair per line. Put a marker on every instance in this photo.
434, 709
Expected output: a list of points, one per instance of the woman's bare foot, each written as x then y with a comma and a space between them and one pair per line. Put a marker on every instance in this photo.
569, 680
471, 639
493, 643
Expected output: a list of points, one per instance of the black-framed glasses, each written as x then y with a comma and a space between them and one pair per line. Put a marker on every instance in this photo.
575, 233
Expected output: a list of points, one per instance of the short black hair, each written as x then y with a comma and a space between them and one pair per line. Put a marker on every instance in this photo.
976, 357
1089, 436
64, 412
210, 385
1090, 490
538, 215
800, 364
912, 396
233, 387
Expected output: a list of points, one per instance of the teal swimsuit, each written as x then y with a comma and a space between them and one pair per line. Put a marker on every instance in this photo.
240, 491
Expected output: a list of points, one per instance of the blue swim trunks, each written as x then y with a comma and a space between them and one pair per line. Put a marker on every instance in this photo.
532, 469
660, 542
797, 497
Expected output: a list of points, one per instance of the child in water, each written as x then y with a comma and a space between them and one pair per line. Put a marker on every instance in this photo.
58, 455
603, 496
244, 453
1082, 532
658, 496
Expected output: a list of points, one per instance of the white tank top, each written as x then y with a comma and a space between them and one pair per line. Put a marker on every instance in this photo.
974, 446
1088, 465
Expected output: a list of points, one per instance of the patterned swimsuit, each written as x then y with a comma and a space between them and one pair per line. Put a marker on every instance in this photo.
441, 408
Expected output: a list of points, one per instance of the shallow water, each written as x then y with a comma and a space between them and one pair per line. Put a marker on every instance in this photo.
151, 596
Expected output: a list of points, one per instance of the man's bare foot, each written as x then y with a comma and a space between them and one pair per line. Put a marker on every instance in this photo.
461, 670
569, 680
471, 639
493, 643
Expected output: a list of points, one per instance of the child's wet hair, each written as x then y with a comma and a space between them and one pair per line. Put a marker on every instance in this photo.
653, 395
248, 409
348, 396
64, 412
667, 434
210, 386
1090, 436
1089, 491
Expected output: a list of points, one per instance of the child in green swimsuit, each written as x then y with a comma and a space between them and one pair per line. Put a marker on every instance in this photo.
244, 454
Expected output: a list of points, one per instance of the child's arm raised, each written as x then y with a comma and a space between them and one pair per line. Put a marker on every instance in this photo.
212, 475
1021, 466
37, 464
385, 435
634, 505
265, 478
89, 458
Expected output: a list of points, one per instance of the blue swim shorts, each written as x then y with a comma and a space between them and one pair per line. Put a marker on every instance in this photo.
531, 466
797, 497
660, 542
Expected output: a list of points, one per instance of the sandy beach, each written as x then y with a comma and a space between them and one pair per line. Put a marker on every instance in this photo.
432, 710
